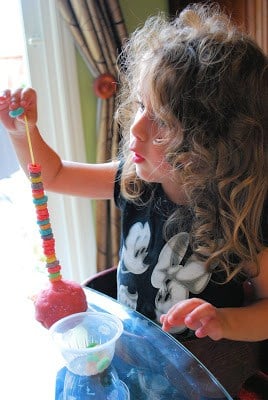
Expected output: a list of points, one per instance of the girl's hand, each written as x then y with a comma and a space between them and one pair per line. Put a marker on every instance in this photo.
25, 98
197, 315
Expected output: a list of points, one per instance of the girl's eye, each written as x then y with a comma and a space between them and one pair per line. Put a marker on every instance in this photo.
161, 123
141, 106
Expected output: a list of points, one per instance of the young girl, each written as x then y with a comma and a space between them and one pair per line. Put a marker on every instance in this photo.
191, 183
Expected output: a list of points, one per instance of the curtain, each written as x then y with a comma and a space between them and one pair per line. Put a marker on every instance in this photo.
99, 31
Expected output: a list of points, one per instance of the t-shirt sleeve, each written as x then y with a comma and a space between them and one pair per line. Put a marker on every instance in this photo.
117, 190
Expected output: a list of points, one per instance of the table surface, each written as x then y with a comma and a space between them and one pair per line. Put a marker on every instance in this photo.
151, 362
153, 365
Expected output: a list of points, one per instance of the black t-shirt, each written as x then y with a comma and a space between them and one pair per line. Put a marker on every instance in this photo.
154, 273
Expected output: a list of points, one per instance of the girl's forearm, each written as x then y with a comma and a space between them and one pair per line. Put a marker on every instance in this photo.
248, 323
43, 154
94, 181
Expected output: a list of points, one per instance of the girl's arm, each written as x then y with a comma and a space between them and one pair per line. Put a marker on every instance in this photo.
80, 179
249, 323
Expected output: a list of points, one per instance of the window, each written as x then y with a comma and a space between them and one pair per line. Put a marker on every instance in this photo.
51, 61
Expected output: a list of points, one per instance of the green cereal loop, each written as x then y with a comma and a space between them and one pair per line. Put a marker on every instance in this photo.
103, 363
93, 344
93, 358
55, 275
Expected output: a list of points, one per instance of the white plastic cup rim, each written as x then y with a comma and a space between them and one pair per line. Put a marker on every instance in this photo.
54, 329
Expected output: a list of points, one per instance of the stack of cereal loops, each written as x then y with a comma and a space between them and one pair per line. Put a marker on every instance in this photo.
61, 297
43, 221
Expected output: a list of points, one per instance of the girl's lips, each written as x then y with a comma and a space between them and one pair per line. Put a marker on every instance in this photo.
137, 158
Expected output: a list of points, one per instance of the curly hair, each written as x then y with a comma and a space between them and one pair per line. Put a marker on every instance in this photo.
210, 81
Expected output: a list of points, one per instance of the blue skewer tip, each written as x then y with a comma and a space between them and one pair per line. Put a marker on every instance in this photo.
17, 112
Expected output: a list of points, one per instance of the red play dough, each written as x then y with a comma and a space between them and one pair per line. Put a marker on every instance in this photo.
59, 299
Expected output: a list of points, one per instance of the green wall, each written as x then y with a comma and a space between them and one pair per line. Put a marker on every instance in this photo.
88, 107
135, 12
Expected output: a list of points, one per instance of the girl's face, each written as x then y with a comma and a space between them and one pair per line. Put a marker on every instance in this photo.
148, 155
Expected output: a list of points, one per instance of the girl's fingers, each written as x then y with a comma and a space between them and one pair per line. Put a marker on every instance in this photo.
4, 99
28, 96
15, 99
211, 328
197, 315
176, 315
201, 313
28, 102
4, 94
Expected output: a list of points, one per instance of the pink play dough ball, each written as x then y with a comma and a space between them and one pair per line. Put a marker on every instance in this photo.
59, 299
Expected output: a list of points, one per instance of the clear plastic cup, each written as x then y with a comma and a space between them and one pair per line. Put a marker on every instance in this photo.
103, 386
87, 341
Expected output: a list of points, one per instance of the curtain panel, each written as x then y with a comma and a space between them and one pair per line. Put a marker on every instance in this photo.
99, 30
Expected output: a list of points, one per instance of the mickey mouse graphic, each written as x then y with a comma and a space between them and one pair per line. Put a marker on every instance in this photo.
175, 275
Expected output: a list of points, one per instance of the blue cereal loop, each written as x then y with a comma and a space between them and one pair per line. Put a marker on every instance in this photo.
45, 232
37, 185
40, 201
43, 222
17, 112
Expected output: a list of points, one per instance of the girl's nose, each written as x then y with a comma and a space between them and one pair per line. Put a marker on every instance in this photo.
139, 128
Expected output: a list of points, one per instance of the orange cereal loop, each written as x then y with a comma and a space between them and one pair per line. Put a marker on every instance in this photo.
55, 278
41, 207
51, 259
47, 226
38, 192
38, 196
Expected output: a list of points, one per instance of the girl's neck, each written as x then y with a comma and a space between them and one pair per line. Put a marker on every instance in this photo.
175, 193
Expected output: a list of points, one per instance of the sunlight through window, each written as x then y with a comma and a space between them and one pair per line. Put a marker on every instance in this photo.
19, 235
